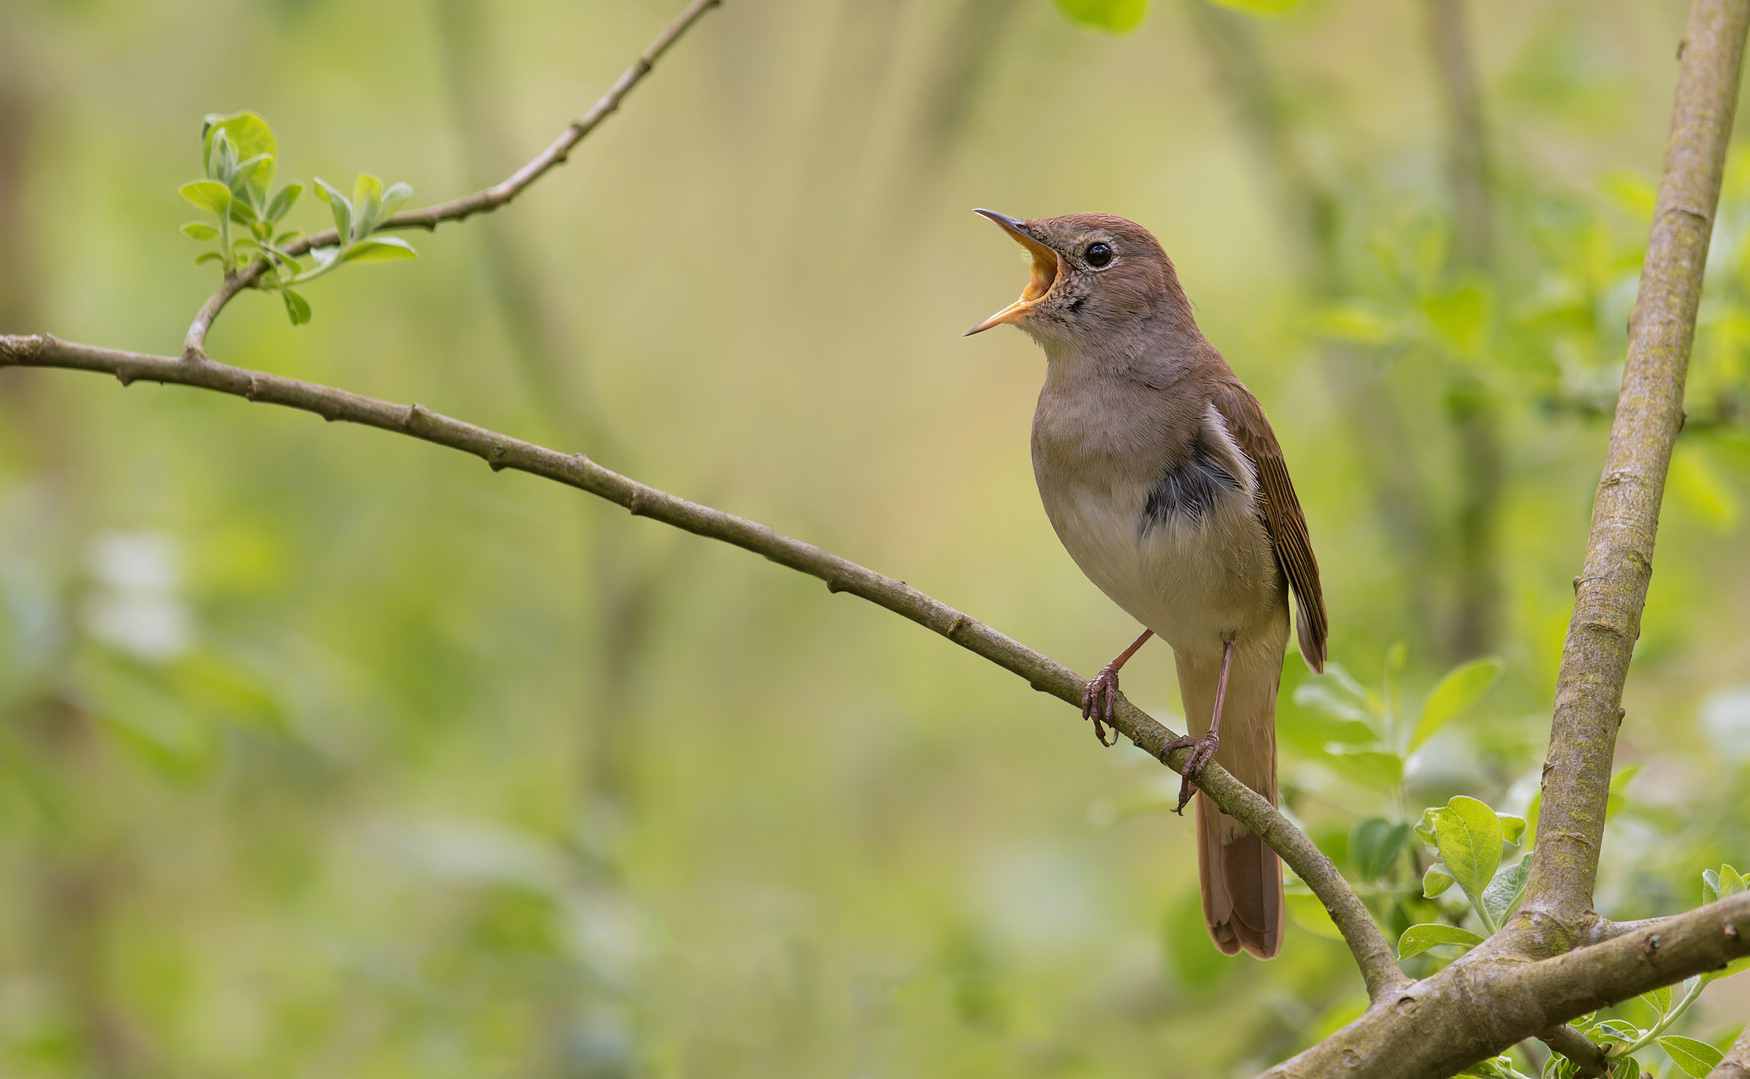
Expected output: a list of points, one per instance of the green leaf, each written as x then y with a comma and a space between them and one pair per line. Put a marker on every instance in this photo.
338, 205
1375, 845
199, 230
1419, 938
1312, 731
367, 204
283, 201
1659, 999
393, 198
1382, 771
1113, 16
210, 195
1458, 690
1435, 882
1620, 1030
1425, 827
248, 136
1731, 882
1512, 827
221, 159
1468, 835
1696, 1058
1626, 1068
1321, 697
208, 256
1459, 316
1631, 192
1694, 479
243, 183
279, 256
1505, 889
378, 249
297, 308
1362, 321
1619, 789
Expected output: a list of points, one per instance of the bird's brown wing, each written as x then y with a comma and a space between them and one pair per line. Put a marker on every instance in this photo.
1282, 515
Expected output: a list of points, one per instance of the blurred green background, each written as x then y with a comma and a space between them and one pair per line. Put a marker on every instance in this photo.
326, 753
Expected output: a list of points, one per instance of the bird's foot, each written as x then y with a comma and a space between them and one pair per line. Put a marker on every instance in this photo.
1100, 702
1202, 751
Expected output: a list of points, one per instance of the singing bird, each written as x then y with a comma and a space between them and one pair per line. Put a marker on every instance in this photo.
1164, 481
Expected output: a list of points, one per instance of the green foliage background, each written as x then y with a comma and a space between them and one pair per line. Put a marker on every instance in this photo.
325, 753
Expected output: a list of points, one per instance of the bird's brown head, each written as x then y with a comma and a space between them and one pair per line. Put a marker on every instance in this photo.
1094, 275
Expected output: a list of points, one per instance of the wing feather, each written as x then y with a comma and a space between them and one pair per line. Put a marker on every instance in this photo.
1282, 514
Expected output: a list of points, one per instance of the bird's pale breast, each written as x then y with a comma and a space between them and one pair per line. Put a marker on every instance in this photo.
1171, 535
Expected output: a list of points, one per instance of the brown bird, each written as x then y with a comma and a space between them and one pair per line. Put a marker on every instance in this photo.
1165, 483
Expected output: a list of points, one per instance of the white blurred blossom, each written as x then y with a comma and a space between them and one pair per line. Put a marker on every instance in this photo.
135, 602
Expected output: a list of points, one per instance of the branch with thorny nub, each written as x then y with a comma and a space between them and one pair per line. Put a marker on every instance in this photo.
1527, 980
1377, 962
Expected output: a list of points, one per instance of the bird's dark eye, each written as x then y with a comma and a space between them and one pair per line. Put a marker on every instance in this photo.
1099, 255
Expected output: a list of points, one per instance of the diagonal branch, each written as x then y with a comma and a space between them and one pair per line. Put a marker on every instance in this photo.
1611, 590
1374, 956
481, 201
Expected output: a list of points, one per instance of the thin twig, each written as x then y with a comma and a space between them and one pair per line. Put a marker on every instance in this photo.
1375, 957
1612, 588
482, 201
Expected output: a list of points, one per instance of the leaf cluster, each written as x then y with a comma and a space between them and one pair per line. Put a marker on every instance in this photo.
243, 222
1370, 737
1625, 1038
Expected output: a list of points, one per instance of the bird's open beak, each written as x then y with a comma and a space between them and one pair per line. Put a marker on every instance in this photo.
1045, 266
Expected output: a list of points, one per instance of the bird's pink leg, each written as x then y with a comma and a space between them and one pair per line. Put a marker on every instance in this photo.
1100, 697
1202, 747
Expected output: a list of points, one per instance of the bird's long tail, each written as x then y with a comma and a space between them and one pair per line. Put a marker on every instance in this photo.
1241, 877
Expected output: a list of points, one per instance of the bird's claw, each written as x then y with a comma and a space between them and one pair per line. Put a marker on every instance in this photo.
1100, 703
1202, 751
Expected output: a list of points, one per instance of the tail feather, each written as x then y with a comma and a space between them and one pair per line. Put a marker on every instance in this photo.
1240, 876
1242, 887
